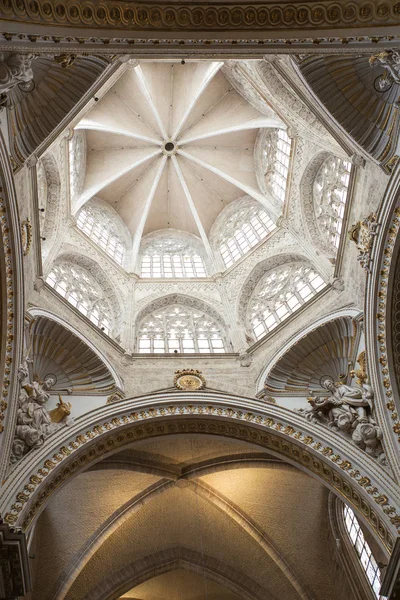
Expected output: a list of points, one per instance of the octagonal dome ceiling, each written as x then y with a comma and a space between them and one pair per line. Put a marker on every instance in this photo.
169, 145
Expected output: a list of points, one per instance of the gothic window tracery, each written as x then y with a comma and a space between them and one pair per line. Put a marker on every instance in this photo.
178, 328
79, 288
171, 256
99, 226
330, 195
276, 159
281, 292
242, 230
363, 550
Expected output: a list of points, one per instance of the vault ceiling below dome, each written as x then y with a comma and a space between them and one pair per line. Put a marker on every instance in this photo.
170, 145
56, 351
325, 352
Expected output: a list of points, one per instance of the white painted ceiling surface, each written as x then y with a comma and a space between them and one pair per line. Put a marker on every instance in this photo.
213, 130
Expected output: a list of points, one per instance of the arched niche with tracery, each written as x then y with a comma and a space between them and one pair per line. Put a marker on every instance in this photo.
275, 290
81, 282
104, 226
324, 194
274, 147
180, 324
238, 228
77, 164
172, 254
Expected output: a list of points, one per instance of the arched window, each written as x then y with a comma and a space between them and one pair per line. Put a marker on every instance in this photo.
276, 159
178, 328
100, 227
78, 286
280, 293
363, 550
242, 230
330, 194
171, 256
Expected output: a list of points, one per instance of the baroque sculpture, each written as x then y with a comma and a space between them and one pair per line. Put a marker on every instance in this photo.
362, 234
34, 423
390, 59
347, 409
15, 69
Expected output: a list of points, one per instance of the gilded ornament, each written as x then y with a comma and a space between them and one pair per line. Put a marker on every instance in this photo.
26, 236
189, 380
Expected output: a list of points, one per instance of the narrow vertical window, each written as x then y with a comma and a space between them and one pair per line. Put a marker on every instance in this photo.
364, 553
276, 159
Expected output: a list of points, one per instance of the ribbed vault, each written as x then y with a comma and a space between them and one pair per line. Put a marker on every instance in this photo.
347, 86
324, 352
185, 502
33, 115
56, 350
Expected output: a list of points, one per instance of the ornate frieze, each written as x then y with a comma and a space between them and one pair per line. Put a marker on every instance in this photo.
10, 309
381, 319
197, 16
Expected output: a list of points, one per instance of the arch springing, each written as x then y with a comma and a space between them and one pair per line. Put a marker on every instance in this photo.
242, 230
330, 195
276, 159
178, 328
171, 256
281, 292
98, 225
79, 288
363, 550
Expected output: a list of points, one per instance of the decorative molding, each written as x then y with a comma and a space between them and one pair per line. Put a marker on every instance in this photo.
192, 17
26, 236
12, 306
384, 306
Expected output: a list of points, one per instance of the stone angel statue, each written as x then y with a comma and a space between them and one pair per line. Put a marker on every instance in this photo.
34, 423
348, 410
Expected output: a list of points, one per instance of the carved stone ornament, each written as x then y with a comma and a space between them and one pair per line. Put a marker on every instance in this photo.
348, 410
34, 423
115, 397
245, 358
362, 234
15, 69
390, 60
189, 380
26, 236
